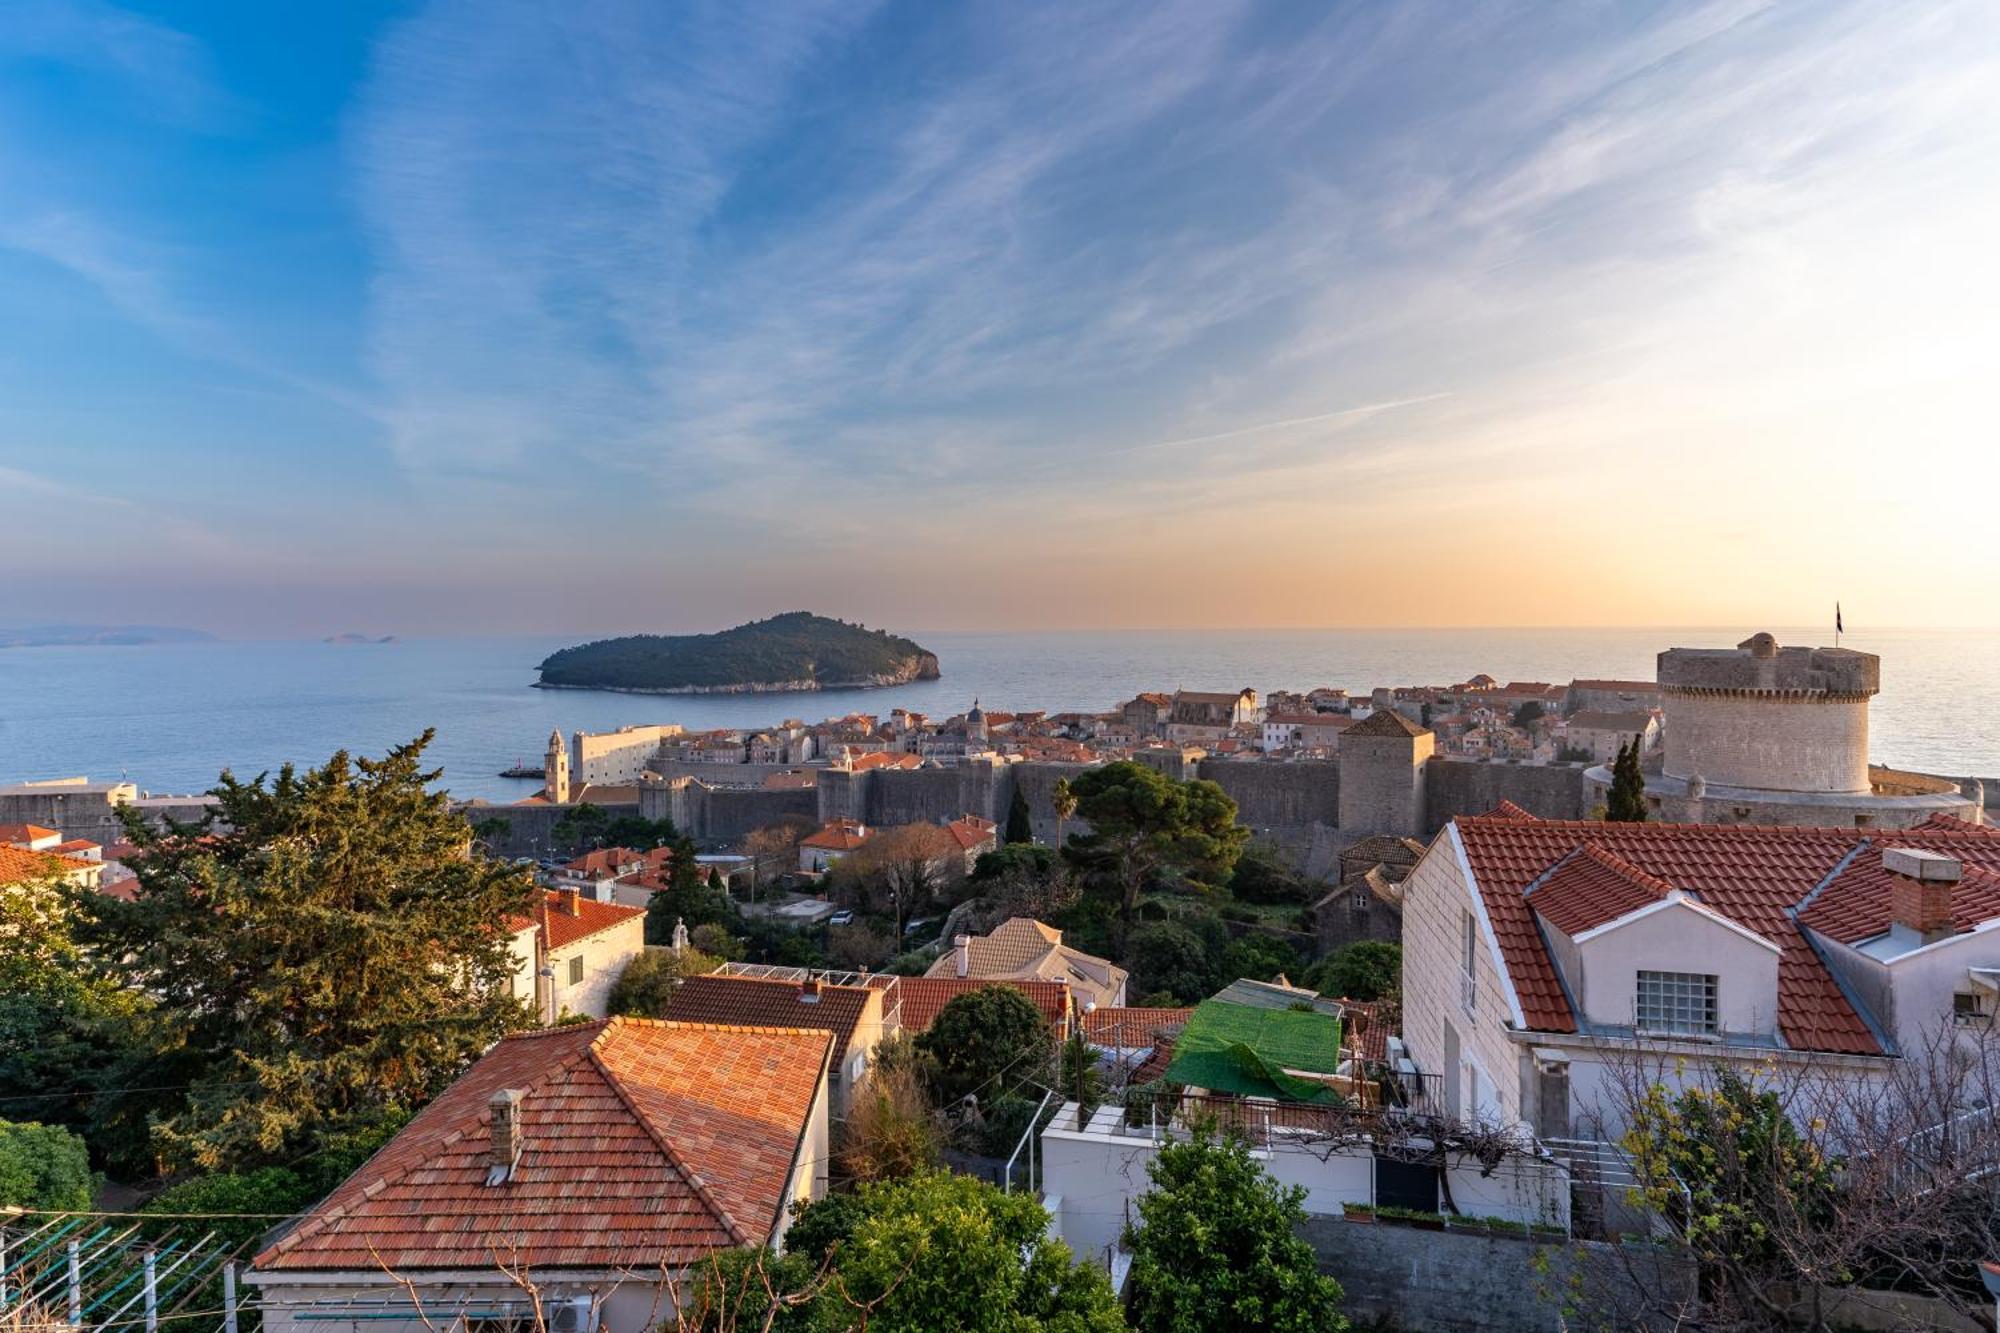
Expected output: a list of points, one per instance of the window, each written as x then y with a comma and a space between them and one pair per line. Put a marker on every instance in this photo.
1968, 1009
576, 970
1681, 1003
1468, 990
1357, 901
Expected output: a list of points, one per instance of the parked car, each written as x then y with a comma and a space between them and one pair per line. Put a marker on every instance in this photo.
915, 926
843, 917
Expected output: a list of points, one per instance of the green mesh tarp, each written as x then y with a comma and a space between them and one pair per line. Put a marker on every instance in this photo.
1237, 1049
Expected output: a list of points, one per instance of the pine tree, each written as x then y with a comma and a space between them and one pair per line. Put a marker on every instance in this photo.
1626, 803
325, 950
1019, 827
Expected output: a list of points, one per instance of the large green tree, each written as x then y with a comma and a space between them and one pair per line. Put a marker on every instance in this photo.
1361, 970
929, 1253
43, 1167
1144, 824
1217, 1248
986, 1043
66, 1027
325, 950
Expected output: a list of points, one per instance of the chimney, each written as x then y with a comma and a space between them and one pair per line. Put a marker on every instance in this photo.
505, 1151
809, 990
1920, 893
961, 953
571, 903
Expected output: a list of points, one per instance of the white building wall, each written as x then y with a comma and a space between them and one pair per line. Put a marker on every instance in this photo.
604, 956
1436, 900
1678, 938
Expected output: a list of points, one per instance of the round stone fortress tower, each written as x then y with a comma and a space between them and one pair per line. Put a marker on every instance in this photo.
1762, 734
1771, 718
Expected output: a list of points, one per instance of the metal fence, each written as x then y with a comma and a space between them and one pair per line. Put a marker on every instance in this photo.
123, 1272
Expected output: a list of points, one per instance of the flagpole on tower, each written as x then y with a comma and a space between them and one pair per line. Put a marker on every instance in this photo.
1838, 627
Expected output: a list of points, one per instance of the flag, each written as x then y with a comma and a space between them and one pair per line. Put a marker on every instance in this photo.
1838, 628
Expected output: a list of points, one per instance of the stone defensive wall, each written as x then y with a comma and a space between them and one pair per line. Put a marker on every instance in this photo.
530, 829
1472, 787
91, 811
1280, 798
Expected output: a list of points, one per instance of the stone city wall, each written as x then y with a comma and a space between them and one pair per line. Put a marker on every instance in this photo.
1472, 787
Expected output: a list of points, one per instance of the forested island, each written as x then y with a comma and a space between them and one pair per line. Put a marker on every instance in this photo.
794, 651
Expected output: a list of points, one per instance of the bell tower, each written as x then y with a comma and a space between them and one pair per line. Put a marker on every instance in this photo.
556, 768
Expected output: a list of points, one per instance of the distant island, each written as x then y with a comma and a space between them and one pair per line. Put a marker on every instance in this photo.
67, 636
357, 638
794, 651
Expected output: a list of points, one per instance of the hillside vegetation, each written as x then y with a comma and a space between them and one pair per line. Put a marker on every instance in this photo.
796, 651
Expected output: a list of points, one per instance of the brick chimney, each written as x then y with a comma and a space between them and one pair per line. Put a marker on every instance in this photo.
961, 954
571, 902
1920, 892
809, 991
505, 1150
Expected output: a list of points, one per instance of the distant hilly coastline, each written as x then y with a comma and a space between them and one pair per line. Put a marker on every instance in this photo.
358, 638
797, 651
72, 636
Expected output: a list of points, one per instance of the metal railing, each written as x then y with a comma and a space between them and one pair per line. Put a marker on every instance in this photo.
1610, 1196
1029, 1138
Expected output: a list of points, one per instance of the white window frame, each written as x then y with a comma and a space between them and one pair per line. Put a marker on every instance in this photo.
1680, 1004
1468, 984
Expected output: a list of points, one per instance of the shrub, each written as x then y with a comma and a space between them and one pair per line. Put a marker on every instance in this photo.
43, 1166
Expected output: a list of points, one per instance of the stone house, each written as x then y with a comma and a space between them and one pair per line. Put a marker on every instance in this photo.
1600, 734
564, 1182
1367, 904
1201, 717
1540, 957
1023, 949
820, 850
571, 951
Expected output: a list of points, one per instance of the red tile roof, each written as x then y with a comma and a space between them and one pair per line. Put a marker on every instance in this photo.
1592, 887
842, 835
922, 997
1855, 906
1756, 876
17, 866
1131, 1028
768, 1002
605, 861
644, 1143
26, 833
561, 926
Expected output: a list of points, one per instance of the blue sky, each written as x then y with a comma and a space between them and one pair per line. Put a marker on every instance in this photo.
471, 316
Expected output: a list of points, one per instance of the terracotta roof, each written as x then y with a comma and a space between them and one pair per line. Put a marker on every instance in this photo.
17, 866
842, 835
922, 997
605, 861
643, 1142
1386, 722
971, 831
1756, 876
766, 1002
1023, 948
1855, 905
1154, 1067
1592, 887
1953, 824
1508, 810
1364, 1031
561, 926
26, 833
1131, 1028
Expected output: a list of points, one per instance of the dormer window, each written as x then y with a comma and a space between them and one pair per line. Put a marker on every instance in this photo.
1680, 1004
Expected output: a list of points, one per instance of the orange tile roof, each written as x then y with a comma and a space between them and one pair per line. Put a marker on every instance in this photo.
643, 1143
560, 926
17, 866
842, 835
1760, 877
1855, 905
26, 833
1385, 722
922, 997
1131, 1028
605, 861
768, 1002
1591, 887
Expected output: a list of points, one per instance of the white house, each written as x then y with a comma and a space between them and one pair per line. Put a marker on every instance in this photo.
569, 954
580, 1169
1540, 956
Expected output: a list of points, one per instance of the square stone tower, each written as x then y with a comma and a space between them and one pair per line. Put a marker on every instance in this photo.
1382, 775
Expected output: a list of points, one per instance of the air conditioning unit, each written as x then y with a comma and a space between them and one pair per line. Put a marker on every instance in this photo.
571, 1315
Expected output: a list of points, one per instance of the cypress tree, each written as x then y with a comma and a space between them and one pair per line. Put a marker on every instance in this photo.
1627, 801
1019, 827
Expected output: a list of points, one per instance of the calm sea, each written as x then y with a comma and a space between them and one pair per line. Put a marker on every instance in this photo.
170, 717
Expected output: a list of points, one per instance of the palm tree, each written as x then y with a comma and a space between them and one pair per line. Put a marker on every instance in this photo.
1064, 801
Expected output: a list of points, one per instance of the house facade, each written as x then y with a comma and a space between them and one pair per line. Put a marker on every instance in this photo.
570, 953
1543, 958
